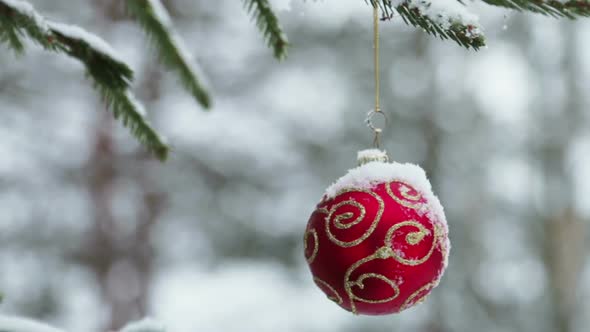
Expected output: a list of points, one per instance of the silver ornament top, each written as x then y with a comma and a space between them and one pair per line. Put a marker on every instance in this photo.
370, 155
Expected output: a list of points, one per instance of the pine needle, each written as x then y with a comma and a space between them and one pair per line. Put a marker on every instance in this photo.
570, 9
155, 21
110, 75
268, 23
469, 36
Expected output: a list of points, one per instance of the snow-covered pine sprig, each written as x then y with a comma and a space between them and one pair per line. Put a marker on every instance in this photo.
268, 23
110, 75
147, 324
19, 18
556, 8
19, 324
156, 22
447, 19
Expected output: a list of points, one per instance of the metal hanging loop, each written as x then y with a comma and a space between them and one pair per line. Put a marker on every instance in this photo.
377, 131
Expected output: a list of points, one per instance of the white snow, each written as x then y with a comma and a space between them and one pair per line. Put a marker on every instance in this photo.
147, 324
136, 103
187, 58
364, 156
445, 13
373, 173
93, 40
281, 5
160, 12
163, 17
17, 324
243, 296
142, 112
400, 253
27, 9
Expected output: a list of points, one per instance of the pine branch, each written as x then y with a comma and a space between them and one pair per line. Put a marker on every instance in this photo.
110, 75
459, 27
126, 107
144, 325
19, 19
155, 21
18, 324
466, 35
556, 8
268, 23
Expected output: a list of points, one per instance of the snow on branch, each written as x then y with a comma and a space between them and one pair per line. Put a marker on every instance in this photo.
17, 324
145, 325
155, 21
268, 23
111, 75
447, 19
555, 8
18, 18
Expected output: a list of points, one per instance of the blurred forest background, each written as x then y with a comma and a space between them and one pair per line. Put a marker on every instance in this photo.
94, 232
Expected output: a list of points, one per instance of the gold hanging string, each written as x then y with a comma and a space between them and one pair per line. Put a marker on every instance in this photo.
376, 56
377, 110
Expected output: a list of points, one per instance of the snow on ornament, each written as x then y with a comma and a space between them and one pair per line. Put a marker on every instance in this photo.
377, 243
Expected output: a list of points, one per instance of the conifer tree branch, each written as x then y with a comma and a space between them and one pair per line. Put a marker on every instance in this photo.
458, 27
268, 23
466, 35
19, 19
556, 8
157, 24
111, 76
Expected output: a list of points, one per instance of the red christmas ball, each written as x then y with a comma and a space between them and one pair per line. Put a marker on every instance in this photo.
377, 243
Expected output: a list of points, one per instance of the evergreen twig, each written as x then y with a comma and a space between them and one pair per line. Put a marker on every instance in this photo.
155, 21
556, 8
466, 35
110, 75
469, 36
18, 19
268, 23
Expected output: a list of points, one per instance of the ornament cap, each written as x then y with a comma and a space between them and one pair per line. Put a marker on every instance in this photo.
371, 155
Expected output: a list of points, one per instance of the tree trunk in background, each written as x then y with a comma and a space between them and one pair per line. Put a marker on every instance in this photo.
565, 233
121, 261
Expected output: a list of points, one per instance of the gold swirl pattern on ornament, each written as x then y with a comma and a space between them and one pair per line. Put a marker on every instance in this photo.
336, 297
339, 218
412, 238
404, 190
381, 253
406, 199
316, 244
410, 300
443, 237
381, 277
347, 215
439, 234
